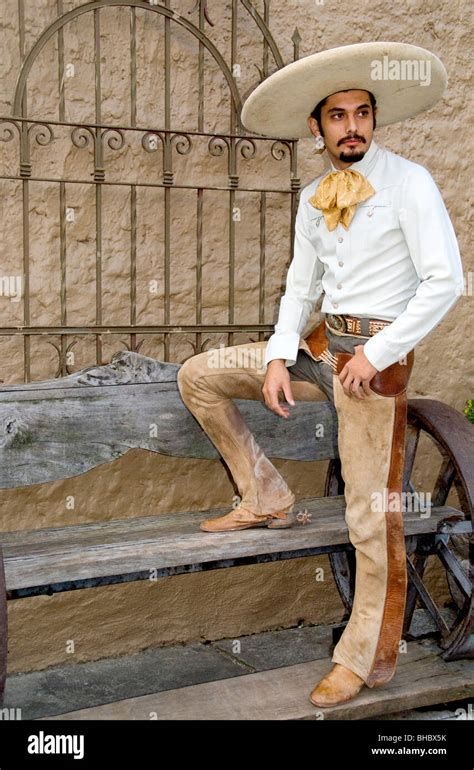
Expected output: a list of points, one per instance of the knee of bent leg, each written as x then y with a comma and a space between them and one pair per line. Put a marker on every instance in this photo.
191, 370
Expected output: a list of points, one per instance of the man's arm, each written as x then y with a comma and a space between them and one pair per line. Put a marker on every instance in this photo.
303, 289
433, 247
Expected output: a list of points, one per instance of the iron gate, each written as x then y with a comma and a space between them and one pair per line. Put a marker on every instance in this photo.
66, 181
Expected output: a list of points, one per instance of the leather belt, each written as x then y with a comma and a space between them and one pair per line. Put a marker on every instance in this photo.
353, 326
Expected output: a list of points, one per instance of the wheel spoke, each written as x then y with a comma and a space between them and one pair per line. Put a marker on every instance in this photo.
412, 593
426, 598
343, 568
444, 482
454, 568
411, 445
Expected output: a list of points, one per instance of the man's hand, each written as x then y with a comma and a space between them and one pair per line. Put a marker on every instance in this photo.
357, 373
277, 379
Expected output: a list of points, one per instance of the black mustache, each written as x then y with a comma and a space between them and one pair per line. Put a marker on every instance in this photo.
348, 138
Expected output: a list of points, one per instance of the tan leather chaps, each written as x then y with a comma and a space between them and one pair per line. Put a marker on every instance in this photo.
371, 443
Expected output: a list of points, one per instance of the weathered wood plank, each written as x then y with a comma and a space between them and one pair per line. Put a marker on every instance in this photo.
65, 427
422, 679
82, 552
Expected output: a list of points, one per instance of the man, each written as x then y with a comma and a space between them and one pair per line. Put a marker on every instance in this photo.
372, 235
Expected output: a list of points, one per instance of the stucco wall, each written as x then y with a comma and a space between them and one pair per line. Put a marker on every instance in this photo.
120, 619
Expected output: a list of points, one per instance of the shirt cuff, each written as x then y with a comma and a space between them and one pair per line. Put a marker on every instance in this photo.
283, 346
380, 354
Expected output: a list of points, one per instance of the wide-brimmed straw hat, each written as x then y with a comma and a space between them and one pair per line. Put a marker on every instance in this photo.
404, 79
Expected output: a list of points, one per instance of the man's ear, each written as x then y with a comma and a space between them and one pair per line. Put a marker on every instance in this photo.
313, 126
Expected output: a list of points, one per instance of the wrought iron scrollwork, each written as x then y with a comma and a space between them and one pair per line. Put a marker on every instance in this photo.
6, 133
196, 347
62, 357
280, 148
115, 138
42, 133
81, 137
247, 147
181, 142
132, 348
151, 140
217, 145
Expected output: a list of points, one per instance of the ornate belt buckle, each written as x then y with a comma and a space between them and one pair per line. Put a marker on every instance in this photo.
340, 323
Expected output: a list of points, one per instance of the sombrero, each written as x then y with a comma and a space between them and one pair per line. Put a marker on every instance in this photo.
404, 79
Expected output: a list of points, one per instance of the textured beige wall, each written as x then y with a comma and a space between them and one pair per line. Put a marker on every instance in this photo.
120, 619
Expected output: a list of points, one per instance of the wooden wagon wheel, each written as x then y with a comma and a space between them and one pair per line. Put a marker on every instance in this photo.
453, 437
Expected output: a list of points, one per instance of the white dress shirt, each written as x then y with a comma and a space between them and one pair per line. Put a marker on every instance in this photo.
398, 261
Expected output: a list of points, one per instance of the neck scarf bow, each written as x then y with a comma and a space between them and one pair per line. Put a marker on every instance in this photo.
338, 194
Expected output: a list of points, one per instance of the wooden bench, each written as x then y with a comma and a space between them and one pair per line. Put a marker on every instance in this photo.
61, 428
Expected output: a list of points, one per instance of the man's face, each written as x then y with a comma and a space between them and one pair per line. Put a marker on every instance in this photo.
347, 122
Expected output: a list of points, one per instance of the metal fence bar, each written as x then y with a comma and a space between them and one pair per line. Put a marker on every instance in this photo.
133, 188
262, 264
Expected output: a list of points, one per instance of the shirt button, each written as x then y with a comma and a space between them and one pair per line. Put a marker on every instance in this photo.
339, 285
334, 304
340, 263
340, 239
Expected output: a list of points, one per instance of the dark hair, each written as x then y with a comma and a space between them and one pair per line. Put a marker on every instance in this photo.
316, 113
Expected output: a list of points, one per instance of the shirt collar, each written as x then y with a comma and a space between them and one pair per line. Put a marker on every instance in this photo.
366, 165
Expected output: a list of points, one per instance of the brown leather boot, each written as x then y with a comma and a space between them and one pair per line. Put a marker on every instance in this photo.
340, 685
240, 518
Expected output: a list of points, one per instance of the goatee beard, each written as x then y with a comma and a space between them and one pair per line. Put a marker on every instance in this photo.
352, 157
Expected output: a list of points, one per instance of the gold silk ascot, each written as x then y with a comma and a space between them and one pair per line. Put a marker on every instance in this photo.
338, 194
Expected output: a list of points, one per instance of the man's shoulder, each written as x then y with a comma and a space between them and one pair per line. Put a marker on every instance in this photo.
402, 167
